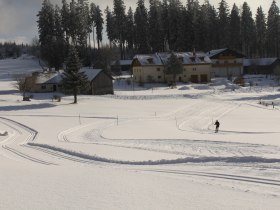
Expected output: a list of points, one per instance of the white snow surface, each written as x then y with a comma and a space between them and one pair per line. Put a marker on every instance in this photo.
148, 147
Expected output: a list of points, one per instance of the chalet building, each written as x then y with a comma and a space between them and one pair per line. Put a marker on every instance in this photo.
51, 81
262, 66
150, 68
226, 63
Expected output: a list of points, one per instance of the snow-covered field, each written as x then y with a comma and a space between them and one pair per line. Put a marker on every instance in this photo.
142, 148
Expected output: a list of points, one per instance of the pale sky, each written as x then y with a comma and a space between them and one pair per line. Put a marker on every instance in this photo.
18, 17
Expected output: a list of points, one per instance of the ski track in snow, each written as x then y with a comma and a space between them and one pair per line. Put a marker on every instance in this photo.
21, 145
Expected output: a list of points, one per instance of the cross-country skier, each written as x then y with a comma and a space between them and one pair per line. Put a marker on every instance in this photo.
217, 126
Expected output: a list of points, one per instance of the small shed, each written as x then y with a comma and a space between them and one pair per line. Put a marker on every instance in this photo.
101, 83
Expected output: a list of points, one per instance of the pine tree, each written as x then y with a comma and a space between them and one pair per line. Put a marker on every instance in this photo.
156, 38
193, 10
130, 30
223, 22
247, 31
173, 67
164, 24
119, 24
46, 25
110, 28
141, 28
202, 26
213, 29
174, 21
73, 79
99, 25
65, 18
92, 15
261, 32
59, 40
273, 31
234, 29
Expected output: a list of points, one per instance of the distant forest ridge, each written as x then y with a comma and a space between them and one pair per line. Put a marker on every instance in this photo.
163, 25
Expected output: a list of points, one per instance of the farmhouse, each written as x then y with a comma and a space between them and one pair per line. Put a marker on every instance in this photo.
226, 63
150, 68
46, 81
51, 81
262, 66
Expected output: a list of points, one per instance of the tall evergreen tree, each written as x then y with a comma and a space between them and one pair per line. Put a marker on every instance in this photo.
92, 12
73, 79
261, 32
203, 23
99, 25
130, 32
273, 31
164, 23
110, 26
46, 25
247, 31
213, 29
193, 10
223, 22
65, 19
59, 40
174, 21
141, 28
234, 29
156, 37
174, 66
119, 24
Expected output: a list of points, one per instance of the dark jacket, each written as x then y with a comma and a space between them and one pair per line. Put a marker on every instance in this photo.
217, 124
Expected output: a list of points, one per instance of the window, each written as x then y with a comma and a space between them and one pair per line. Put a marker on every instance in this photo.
158, 69
159, 77
194, 69
43, 87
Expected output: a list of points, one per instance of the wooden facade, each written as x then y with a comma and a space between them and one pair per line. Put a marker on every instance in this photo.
226, 63
102, 84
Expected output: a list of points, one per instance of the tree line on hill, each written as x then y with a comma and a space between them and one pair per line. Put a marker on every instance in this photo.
14, 50
167, 25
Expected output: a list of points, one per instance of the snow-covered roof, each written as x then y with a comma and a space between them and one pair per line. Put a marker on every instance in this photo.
91, 73
215, 52
56, 77
48, 78
151, 59
185, 57
259, 61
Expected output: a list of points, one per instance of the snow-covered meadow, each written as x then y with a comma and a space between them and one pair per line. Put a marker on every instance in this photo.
142, 148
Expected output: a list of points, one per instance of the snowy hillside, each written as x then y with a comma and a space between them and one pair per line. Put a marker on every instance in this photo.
148, 147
